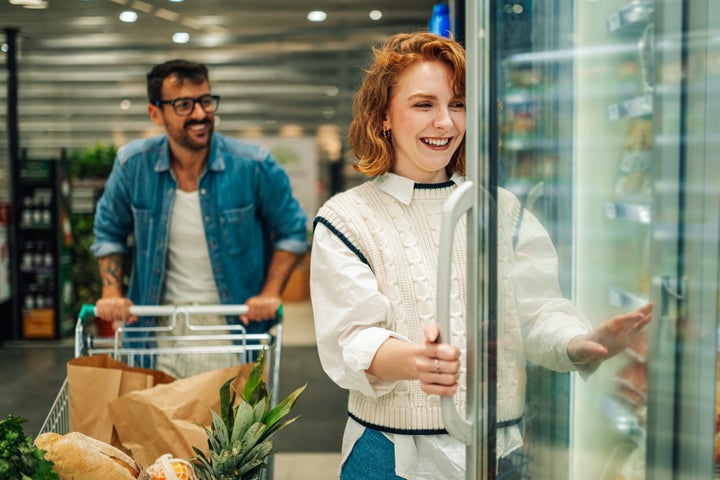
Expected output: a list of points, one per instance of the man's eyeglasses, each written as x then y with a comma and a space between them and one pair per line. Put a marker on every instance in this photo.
184, 106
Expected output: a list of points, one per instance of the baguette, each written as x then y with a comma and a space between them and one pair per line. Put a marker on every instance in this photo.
79, 457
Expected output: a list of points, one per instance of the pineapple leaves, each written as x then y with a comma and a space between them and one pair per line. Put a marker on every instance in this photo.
255, 388
220, 431
243, 420
240, 436
283, 408
256, 456
227, 400
251, 438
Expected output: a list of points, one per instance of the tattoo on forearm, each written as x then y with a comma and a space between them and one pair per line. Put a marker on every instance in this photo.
111, 270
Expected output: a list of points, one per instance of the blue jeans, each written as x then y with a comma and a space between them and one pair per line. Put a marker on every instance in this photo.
372, 458
513, 466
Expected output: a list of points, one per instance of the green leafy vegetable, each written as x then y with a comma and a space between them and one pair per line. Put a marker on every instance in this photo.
19, 458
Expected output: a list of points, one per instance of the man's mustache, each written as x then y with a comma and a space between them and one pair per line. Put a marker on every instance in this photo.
197, 122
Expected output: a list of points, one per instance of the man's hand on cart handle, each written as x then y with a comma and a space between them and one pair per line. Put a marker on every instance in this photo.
261, 307
115, 309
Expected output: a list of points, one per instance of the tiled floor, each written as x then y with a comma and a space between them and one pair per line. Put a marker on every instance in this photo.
298, 330
37, 369
306, 466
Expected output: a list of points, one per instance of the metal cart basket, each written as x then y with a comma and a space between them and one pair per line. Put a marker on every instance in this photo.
207, 347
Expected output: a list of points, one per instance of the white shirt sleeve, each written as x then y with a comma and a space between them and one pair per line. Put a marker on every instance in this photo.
350, 314
549, 321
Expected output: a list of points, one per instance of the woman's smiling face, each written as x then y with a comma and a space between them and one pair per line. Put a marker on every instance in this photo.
427, 122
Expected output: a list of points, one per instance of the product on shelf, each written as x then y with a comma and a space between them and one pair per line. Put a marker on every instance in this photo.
635, 170
632, 383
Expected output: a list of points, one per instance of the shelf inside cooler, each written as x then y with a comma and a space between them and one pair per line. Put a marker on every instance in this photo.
514, 143
632, 17
634, 107
624, 421
624, 299
632, 212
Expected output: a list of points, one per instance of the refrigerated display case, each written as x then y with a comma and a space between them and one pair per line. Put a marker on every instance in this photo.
612, 157
44, 241
607, 133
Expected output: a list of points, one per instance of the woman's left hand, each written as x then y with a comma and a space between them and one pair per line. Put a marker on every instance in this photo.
609, 338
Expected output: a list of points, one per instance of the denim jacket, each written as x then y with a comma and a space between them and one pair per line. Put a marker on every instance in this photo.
247, 206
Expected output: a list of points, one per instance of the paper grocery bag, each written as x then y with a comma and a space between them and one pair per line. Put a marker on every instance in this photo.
166, 418
93, 382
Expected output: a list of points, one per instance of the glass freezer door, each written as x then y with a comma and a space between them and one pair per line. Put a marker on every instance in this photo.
601, 117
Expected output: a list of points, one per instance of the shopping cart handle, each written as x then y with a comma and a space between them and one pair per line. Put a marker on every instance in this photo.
87, 311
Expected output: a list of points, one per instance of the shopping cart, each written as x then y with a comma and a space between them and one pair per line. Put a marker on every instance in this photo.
208, 346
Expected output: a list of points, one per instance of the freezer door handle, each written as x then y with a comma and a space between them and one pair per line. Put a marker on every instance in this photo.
673, 302
458, 203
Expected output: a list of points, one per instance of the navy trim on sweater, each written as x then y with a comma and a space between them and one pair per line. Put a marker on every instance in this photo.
425, 431
342, 237
400, 431
433, 186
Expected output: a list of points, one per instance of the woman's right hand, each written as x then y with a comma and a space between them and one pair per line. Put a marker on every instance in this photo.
438, 364
115, 309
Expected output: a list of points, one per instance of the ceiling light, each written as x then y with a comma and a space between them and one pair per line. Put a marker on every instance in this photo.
125, 104
30, 3
37, 5
375, 15
128, 16
317, 16
181, 37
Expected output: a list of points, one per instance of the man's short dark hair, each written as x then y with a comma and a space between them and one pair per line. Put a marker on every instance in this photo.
183, 70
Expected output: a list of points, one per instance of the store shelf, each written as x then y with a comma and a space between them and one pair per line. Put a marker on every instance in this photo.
635, 107
519, 97
624, 421
631, 18
631, 212
520, 144
43, 240
622, 298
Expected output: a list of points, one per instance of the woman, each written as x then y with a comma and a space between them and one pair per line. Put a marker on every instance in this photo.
374, 269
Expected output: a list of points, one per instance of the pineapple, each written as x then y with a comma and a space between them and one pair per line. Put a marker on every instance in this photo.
241, 437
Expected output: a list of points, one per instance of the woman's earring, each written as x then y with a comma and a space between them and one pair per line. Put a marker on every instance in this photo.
386, 133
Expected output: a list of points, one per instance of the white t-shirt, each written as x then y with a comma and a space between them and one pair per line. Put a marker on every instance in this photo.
188, 277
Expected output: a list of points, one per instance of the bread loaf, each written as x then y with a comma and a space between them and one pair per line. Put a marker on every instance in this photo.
79, 457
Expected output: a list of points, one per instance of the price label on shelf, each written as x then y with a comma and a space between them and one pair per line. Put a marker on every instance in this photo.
614, 22
610, 210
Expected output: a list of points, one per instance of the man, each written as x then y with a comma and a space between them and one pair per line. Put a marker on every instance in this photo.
213, 218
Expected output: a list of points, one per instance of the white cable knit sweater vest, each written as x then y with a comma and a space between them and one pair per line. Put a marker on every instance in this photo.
400, 243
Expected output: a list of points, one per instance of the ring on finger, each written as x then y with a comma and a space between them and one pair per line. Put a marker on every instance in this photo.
437, 366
